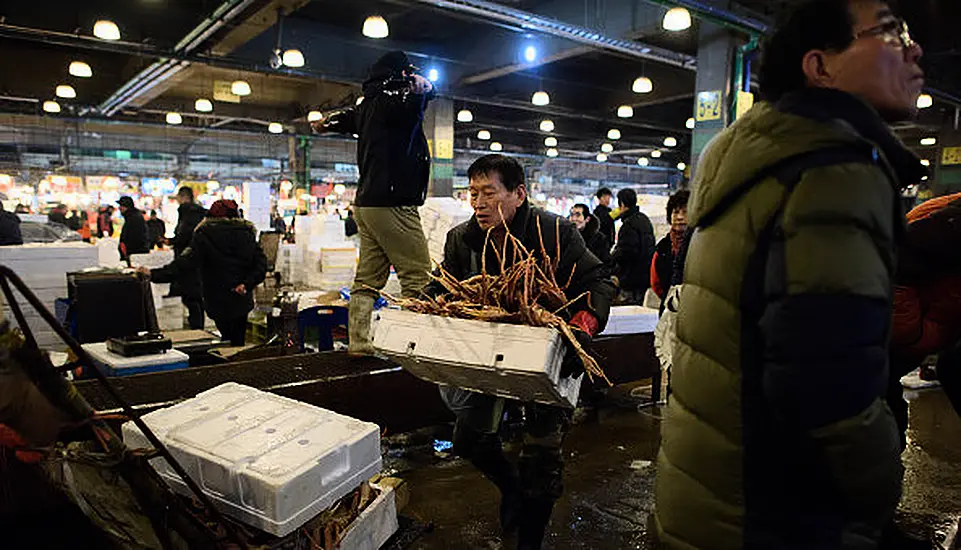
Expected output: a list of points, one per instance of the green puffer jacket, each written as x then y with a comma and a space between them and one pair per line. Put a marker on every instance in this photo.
776, 434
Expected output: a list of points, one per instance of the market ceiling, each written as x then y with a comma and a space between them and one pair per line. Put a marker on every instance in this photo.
170, 53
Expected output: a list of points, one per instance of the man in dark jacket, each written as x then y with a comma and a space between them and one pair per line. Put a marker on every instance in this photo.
58, 215
133, 236
590, 230
499, 198
105, 222
9, 228
188, 284
662, 267
394, 164
225, 250
156, 230
635, 249
777, 433
603, 213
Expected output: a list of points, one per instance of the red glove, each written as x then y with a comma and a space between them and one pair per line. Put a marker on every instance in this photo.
585, 321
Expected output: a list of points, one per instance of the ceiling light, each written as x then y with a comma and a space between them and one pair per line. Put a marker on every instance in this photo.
925, 101
465, 116
625, 111
483, 135
375, 27
240, 87
496, 146
607, 148
643, 85
106, 30
690, 123
550, 141
275, 128
433, 75
203, 105
293, 58
670, 142
51, 106
925, 178
614, 134
601, 157
929, 141
540, 99
552, 152
925, 162
80, 69
677, 19
644, 161
681, 166
174, 118
66, 91
314, 116
655, 154
359, 100
547, 125
530, 54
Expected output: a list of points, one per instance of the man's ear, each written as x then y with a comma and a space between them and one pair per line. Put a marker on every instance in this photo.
521, 192
814, 66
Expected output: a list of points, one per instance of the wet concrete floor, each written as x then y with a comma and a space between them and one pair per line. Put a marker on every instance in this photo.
609, 484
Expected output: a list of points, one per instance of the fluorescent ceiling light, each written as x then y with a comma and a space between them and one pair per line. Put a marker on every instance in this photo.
66, 91
483, 135
670, 142
80, 69
275, 128
314, 116
677, 19
51, 106
643, 85
174, 118
376, 27
465, 115
550, 141
655, 154
496, 146
607, 148
540, 99
552, 152
625, 111
601, 157
925, 101
240, 87
929, 141
644, 161
106, 30
203, 105
293, 58
690, 123
614, 134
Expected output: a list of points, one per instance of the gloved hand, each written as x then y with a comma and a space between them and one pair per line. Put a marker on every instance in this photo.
420, 85
572, 365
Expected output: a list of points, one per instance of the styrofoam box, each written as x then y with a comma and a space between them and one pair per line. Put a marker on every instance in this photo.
514, 361
266, 460
630, 320
118, 365
375, 524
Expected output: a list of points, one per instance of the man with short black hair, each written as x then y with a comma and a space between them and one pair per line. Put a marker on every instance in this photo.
635, 249
188, 282
603, 213
590, 230
498, 194
777, 433
133, 235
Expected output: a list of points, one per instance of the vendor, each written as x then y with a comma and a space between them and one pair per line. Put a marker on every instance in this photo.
498, 196
225, 250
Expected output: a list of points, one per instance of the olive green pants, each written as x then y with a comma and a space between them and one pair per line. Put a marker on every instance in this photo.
388, 236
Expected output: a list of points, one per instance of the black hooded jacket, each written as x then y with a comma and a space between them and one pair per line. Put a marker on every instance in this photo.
596, 242
635, 251
226, 252
133, 236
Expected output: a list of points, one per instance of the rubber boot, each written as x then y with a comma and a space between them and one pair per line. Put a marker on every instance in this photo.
535, 517
485, 452
361, 306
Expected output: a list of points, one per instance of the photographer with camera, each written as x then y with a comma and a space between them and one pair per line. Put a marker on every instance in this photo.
394, 164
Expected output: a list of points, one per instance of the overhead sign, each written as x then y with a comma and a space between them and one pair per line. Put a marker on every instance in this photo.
222, 92
951, 156
708, 106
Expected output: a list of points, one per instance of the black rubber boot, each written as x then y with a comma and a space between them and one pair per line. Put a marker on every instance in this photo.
535, 517
485, 452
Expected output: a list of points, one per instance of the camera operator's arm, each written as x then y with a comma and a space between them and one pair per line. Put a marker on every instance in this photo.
414, 104
342, 122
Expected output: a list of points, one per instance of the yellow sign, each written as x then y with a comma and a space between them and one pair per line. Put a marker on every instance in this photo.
745, 100
709, 106
222, 92
951, 156
445, 149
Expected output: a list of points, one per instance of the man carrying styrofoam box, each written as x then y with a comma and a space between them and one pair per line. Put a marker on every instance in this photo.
499, 198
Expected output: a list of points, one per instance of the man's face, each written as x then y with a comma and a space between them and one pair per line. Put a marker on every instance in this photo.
578, 218
183, 199
679, 219
605, 200
881, 65
493, 204
123, 209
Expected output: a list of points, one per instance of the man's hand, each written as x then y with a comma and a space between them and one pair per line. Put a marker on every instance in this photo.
420, 85
143, 270
241, 289
573, 365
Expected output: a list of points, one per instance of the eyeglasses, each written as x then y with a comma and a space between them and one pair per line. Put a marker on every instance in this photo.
894, 32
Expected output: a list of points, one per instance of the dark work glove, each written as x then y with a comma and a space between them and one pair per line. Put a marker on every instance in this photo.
572, 365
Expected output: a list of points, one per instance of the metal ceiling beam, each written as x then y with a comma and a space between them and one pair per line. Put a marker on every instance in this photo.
546, 25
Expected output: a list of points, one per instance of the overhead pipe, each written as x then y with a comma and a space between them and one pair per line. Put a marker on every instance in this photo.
546, 25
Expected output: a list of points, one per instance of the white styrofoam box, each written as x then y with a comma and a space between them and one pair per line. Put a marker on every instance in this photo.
374, 525
515, 361
153, 260
108, 252
630, 320
338, 256
266, 460
118, 364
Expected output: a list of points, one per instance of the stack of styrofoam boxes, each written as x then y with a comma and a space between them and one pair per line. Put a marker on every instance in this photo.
338, 266
44, 268
655, 208
630, 320
515, 361
328, 260
287, 262
109, 252
268, 461
170, 311
439, 215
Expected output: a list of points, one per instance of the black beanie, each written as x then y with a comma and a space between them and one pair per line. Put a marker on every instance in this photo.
389, 64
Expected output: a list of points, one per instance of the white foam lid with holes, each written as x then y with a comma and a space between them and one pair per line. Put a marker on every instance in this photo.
266, 460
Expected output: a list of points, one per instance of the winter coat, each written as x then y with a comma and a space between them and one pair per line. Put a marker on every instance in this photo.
189, 215
596, 242
392, 153
133, 236
227, 253
104, 225
9, 229
777, 434
156, 229
927, 298
462, 258
603, 215
634, 251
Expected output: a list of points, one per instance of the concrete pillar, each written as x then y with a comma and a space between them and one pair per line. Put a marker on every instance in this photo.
717, 47
298, 155
439, 129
